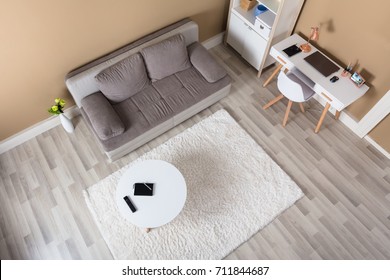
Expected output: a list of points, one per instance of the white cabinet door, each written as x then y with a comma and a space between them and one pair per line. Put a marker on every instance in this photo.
254, 48
237, 33
246, 41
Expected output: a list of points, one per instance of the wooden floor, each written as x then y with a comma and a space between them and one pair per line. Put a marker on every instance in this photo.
345, 213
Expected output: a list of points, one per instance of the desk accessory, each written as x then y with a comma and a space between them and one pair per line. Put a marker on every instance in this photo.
144, 189
334, 79
246, 5
357, 79
291, 50
314, 36
130, 204
260, 9
347, 70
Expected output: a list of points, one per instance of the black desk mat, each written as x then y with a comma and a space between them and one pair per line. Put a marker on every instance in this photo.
321, 63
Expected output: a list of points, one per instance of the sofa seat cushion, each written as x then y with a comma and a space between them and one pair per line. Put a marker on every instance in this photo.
198, 86
166, 57
131, 115
167, 85
152, 105
146, 97
205, 63
180, 100
174, 93
103, 118
123, 79
157, 112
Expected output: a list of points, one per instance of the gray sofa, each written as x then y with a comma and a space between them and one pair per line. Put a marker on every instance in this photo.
140, 91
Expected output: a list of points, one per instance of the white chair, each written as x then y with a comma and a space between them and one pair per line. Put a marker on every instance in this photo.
294, 89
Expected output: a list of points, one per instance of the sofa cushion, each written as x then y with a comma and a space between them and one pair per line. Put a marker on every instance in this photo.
174, 93
167, 85
198, 86
152, 106
180, 100
123, 79
102, 116
157, 112
145, 97
204, 62
130, 115
166, 58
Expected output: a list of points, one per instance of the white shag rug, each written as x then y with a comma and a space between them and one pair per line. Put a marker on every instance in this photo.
234, 189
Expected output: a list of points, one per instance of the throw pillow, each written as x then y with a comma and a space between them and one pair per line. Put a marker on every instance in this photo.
204, 62
102, 116
123, 79
166, 57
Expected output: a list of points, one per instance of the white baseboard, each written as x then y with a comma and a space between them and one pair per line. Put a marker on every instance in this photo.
377, 146
34, 130
213, 41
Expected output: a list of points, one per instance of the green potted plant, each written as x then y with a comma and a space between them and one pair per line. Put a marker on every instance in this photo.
58, 109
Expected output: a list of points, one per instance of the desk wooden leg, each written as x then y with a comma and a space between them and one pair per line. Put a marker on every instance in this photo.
273, 75
321, 120
273, 101
337, 115
287, 112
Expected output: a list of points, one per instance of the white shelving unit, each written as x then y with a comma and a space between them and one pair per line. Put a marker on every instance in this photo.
252, 37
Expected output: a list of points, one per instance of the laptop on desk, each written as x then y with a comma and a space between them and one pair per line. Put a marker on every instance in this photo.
321, 63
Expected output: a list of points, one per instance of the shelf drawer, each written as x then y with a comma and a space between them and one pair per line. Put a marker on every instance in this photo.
262, 29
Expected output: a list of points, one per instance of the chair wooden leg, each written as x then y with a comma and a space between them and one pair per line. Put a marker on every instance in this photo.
302, 108
273, 101
273, 75
287, 112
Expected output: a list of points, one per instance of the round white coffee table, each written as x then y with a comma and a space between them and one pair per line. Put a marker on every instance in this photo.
168, 199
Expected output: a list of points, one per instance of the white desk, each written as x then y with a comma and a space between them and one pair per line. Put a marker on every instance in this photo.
337, 95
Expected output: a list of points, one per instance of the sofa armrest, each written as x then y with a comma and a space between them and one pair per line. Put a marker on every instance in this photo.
205, 63
102, 116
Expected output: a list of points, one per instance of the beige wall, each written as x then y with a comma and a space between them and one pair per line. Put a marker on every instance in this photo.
381, 133
356, 30
42, 40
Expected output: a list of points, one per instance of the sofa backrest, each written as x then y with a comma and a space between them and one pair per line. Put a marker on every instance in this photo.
81, 81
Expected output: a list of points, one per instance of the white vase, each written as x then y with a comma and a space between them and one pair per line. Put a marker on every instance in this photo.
66, 123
